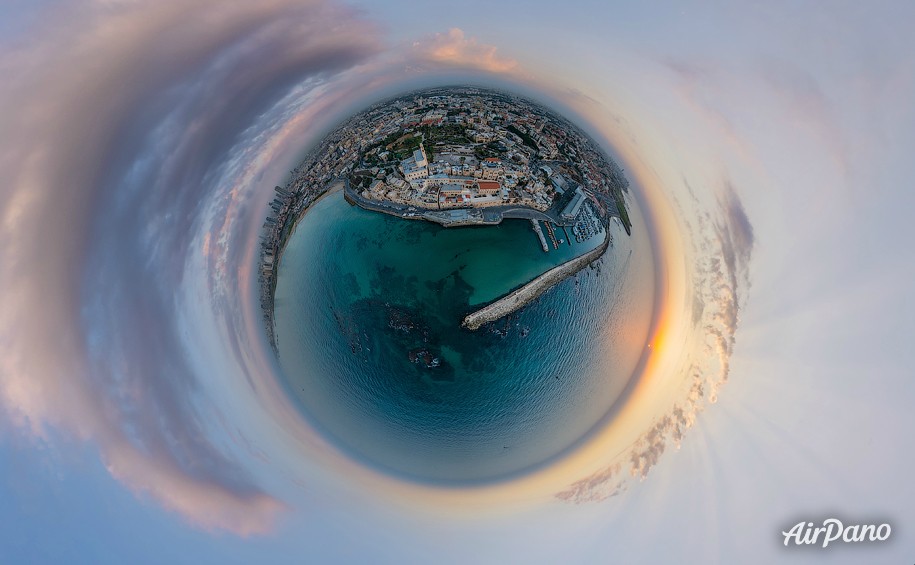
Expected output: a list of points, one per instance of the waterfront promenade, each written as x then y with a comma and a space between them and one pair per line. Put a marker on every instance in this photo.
454, 217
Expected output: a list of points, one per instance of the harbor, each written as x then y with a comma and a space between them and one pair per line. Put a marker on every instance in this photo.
459, 315
523, 296
438, 160
577, 214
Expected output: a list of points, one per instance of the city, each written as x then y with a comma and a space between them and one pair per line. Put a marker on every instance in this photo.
455, 156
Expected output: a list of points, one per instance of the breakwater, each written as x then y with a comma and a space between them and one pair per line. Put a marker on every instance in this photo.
536, 225
523, 296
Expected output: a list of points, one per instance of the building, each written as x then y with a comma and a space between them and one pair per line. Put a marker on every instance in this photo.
378, 188
417, 167
419, 156
396, 182
574, 206
491, 169
435, 181
488, 188
453, 195
452, 189
412, 171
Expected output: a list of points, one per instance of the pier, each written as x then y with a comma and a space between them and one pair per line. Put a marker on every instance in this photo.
523, 296
539, 232
552, 234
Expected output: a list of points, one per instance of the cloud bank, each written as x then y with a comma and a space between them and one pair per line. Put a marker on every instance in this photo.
456, 49
130, 120
722, 243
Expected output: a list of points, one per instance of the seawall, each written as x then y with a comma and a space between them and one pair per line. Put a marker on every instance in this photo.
519, 298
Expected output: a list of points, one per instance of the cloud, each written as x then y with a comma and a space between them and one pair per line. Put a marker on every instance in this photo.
721, 276
130, 122
792, 97
806, 107
455, 49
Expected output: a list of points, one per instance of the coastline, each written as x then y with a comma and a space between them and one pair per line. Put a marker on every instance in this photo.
521, 297
453, 217
501, 307
514, 300
556, 170
270, 282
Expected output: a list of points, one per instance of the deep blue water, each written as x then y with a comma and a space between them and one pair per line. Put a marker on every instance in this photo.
368, 311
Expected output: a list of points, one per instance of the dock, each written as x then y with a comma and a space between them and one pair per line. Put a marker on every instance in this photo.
552, 234
536, 225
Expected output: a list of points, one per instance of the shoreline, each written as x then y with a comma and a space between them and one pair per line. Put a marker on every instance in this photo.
453, 217
498, 309
521, 297
271, 281
556, 173
514, 300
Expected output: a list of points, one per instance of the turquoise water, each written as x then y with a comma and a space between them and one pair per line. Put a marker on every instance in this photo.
490, 260
368, 310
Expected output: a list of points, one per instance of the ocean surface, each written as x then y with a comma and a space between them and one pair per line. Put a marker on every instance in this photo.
368, 310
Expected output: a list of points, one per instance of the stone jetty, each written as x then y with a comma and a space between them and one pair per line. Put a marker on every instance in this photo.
519, 298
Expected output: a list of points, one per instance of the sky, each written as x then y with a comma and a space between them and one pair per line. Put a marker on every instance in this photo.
141, 419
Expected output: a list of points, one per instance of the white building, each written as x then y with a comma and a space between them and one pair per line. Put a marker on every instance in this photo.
396, 182
417, 167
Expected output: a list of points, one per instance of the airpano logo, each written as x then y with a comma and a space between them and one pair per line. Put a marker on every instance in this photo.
834, 531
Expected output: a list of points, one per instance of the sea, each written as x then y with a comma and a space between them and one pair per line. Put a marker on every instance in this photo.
368, 310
